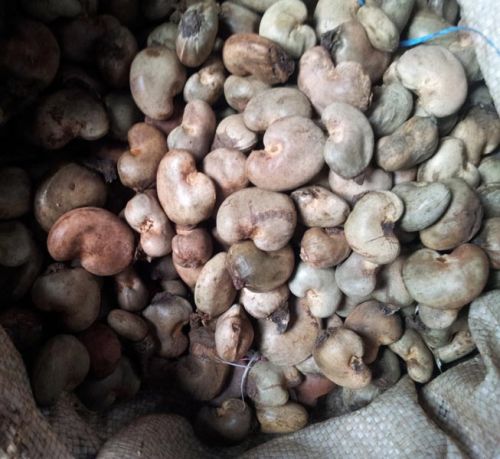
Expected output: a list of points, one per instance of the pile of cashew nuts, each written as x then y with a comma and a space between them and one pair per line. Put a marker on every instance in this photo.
259, 207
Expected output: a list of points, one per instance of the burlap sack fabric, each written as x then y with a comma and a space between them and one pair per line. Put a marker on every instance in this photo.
455, 415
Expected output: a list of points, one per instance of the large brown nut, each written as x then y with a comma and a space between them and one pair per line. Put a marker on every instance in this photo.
15, 193
258, 270
73, 294
250, 54
192, 248
67, 188
131, 292
266, 217
138, 165
196, 132
207, 84
282, 164
186, 195
102, 243
446, 281
324, 247
128, 325
323, 83
61, 365
66, 115
233, 334
156, 76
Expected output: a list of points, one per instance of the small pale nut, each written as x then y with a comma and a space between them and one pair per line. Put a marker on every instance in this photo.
283, 23
15, 193
349, 147
324, 247
259, 270
436, 76
282, 419
145, 215
262, 304
233, 334
102, 243
318, 287
156, 76
410, 144
266, 217
186, 195
446, 281
266, 384
324, 83
131, 291
196, 132
250, 54
339, 354
381, 31
207, 84
356, 276
238, 90
489, 240
292, 155
459, 223
214, 292
369, 227
231, 132
168, 315
424, 203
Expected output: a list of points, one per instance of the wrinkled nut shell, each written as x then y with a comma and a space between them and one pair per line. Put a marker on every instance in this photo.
99, 239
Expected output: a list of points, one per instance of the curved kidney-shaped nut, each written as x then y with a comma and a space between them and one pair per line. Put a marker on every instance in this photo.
449, 161
369, 227
250, 54
186, 195
262, 304
229, 423
323, 83
66, 115
15, 193
156, 76
436, 76
339, 354
390, 287
73, 294
318, 206
233, 334
69, 187
61, 365
282, 164
266, 385
207, 84
391, 106
424, 203
489, 240
168, 316
128, 325
196, 131
352, 189
377, 324
231, 132
282, 419
102, 243
412, 349
259, 270
239, 90
459, 223
318, 288
214, 292
437, 319
163, 35
283, 23
356, 276
349, 147
446, 281
296, 344
99, 394
16, 244
271, 105
265, 217
145, 215
410, 144
131, 292
137, 166
197, 32
381, 31
324, 247
192, 248
104, 348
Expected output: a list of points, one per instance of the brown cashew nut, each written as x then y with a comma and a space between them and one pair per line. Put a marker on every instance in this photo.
207, 84
128, 325
191, 248
186, 195
239, 90
250, 54
131, 292
266, 384
102, 243
282, 419
390, 288
168, 314
231, 132
324, 247
233, 334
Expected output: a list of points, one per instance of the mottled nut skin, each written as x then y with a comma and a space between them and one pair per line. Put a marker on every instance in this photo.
99, 239
250, 54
